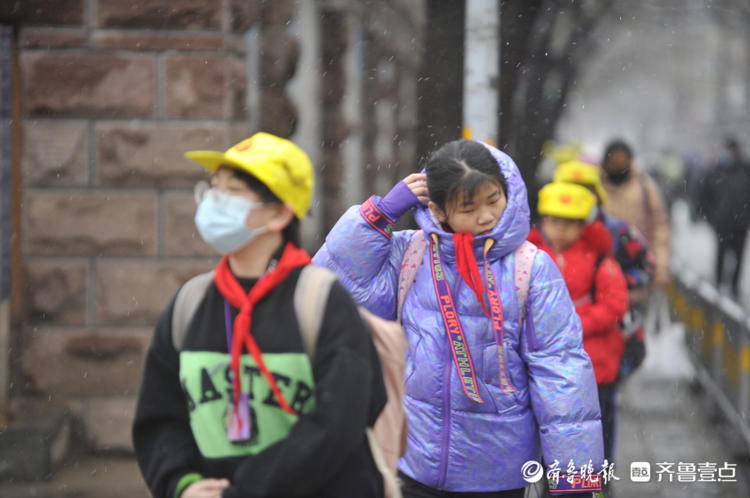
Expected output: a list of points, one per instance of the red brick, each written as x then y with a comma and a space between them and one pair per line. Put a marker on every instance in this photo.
181, 238
150, 155
157, 41
195, 86
56, 153
160, 14
56, 292
91, 85
48, 38
134, 293
89, 223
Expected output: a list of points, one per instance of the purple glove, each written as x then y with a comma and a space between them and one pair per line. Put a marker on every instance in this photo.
398, 201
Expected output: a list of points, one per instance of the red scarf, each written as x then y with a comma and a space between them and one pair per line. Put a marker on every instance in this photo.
230, 288
466, 263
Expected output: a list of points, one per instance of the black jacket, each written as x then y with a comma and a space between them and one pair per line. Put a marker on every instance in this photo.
324, 454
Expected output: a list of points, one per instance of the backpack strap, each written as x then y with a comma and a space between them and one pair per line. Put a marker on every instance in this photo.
524, 260
186, 303
409, 266
310, 298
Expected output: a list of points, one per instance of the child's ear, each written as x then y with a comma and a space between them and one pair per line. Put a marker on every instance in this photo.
439, 214
281, 218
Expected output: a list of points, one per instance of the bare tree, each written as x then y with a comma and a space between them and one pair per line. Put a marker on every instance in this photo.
543, 45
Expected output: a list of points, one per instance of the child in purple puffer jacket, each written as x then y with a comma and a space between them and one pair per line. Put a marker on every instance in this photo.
493, 385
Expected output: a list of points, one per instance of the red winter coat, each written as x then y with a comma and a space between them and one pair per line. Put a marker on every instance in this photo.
601, 313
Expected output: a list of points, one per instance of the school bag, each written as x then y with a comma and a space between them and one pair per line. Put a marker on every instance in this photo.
387, 438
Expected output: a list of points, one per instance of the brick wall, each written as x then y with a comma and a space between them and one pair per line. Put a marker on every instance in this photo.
114, 91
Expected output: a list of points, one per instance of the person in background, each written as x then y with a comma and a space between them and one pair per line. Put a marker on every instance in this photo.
725, 198
634, 197
581, 246
631, 253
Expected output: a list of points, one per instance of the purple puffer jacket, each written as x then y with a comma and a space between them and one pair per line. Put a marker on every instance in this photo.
454, 443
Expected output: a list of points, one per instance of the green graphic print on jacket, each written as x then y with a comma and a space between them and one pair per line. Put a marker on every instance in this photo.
206, 379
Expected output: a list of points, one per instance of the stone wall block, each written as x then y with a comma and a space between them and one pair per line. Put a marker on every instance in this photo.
108, 422
238, 131
89, 223
279, 57
134, 293
56, 292
149, 155
83, 361
160, 14
195, 86
46, 12
49, 38
158, 41
88, 85
181, 237
278, 113
56, 153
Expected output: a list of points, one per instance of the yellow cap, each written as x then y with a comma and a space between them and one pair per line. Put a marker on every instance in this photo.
566, 200
583, 174
280, 164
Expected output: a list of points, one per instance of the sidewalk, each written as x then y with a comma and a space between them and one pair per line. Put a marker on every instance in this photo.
85, 476
664, 419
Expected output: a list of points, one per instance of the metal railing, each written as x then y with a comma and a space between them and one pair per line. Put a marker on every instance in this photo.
717, 333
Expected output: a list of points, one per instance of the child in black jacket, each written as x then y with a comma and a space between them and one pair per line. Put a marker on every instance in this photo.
230, 404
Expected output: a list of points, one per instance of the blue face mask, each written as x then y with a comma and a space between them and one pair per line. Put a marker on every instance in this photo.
221, 218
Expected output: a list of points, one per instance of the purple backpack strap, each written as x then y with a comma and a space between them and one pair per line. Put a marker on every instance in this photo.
409, 266
524, 259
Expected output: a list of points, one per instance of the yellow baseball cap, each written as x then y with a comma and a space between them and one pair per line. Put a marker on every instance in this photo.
281, 165
576, 171
566, 200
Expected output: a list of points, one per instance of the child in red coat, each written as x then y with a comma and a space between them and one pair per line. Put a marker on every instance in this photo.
582, 251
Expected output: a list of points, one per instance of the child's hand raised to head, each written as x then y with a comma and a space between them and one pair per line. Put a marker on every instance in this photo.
417, 183
406, 194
